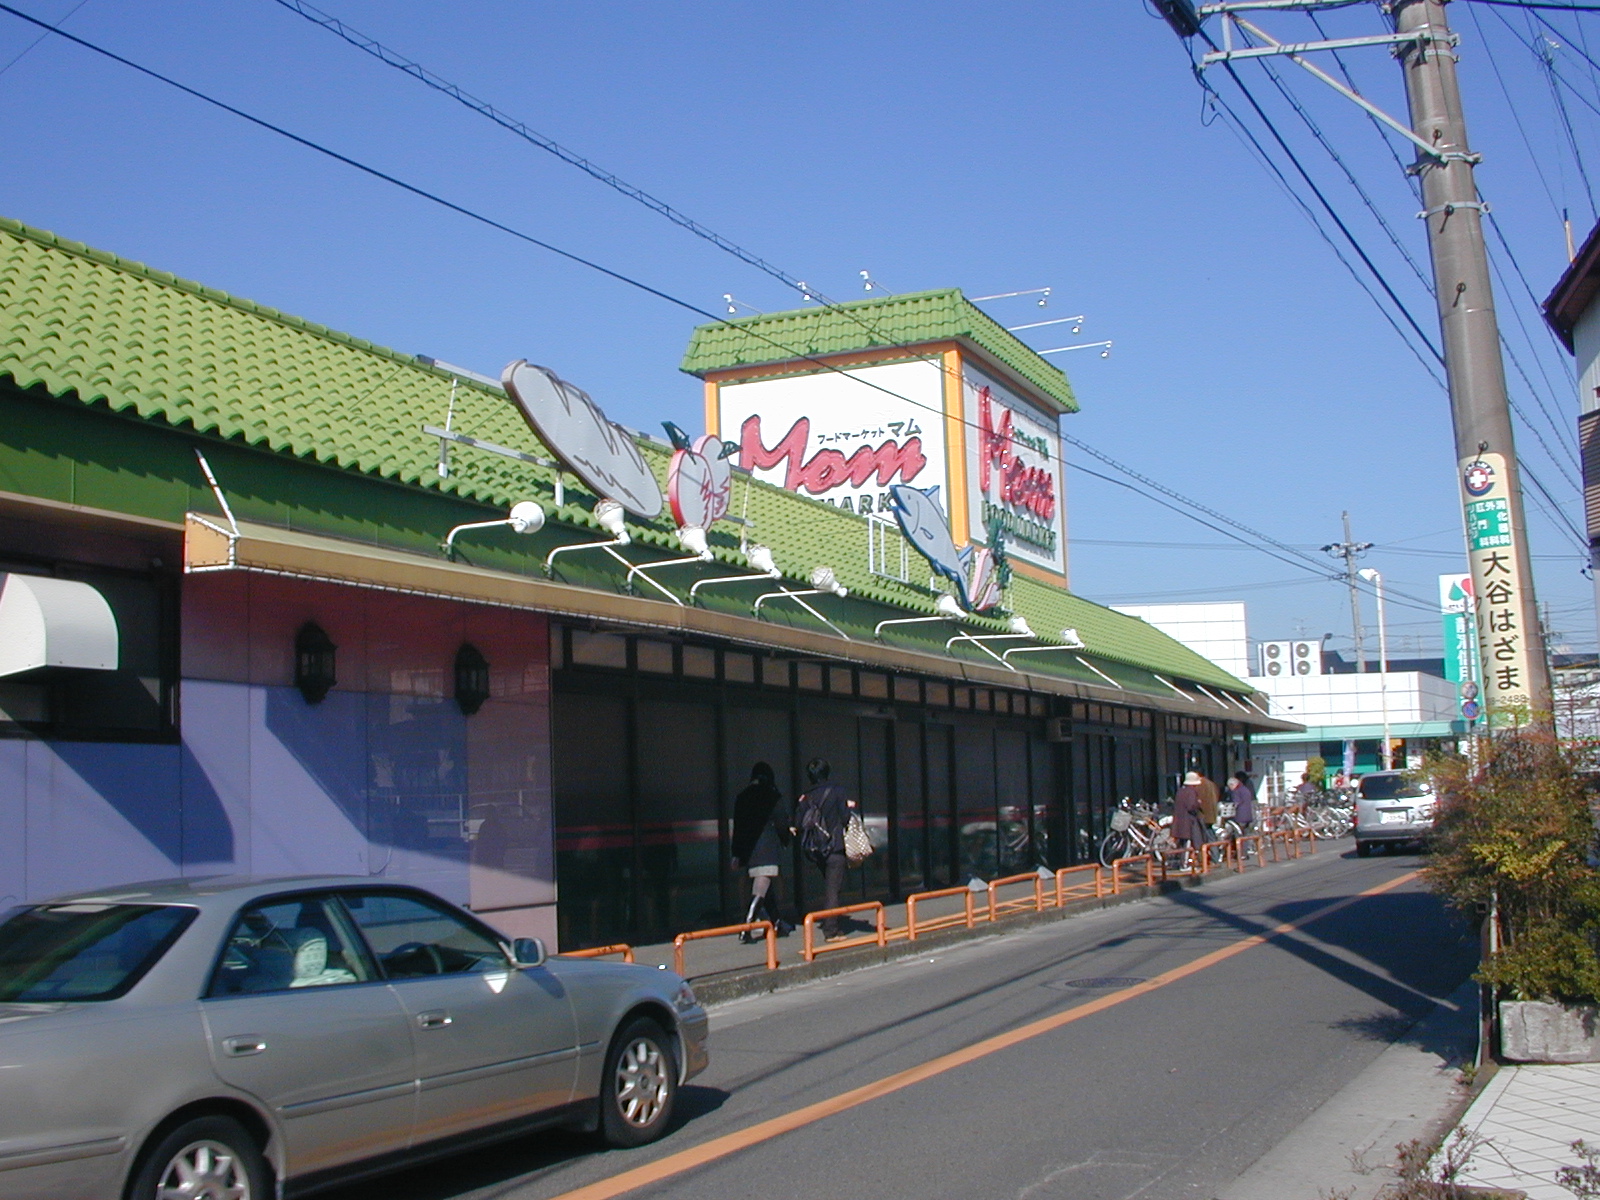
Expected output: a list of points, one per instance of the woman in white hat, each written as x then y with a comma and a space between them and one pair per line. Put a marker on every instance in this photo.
1187, 828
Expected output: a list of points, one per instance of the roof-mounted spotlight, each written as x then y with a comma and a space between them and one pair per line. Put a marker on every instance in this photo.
760, 559
613, 519
526, 516
946, 608
822, 579
693, 539
1069, 641
823, 583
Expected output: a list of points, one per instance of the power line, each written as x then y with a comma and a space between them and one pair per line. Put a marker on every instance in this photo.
617, 275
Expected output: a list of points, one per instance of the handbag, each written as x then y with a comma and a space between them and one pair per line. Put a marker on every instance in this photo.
857, 845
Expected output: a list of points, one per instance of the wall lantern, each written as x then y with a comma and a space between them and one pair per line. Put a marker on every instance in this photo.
472, 678
314, 653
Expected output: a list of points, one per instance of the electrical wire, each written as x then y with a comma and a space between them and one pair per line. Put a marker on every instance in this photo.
647, 288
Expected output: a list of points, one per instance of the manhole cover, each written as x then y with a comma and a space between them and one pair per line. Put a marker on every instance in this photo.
1095, 982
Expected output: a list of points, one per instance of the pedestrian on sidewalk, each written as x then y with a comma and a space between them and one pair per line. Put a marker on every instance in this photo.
1210, 798
1186, 828
760, 829
820, 820
1244, 801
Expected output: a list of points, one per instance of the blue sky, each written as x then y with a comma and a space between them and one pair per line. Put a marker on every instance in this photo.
992, 148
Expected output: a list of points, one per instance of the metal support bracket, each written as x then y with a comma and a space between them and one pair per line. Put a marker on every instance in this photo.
979, 641
1481, 205
755, 609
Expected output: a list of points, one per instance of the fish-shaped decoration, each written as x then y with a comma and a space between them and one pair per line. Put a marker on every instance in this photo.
925, 526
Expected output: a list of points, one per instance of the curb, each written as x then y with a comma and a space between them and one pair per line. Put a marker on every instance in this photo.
723, 986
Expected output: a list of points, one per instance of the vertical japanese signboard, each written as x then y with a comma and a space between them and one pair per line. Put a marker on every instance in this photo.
1013, 472
1460, 648
1498, 587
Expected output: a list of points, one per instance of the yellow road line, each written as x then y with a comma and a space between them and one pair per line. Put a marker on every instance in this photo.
732, 1143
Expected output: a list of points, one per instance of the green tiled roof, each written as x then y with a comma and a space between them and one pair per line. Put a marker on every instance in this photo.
90, 328
906, 320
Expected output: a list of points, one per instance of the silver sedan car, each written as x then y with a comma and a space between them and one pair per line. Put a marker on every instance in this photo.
229, 1038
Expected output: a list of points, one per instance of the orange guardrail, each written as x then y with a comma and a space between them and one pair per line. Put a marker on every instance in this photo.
946, 921
999, 908
809, 949
1248, 842
1149, 872
695, 935
1093, 888
621, 948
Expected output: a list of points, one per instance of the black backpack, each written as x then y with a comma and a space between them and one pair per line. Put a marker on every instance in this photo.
816, 839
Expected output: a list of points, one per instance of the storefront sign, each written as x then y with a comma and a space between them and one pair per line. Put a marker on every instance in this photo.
979, 574
573, 428
1013, 472
699, 483
842, 437
1497, 586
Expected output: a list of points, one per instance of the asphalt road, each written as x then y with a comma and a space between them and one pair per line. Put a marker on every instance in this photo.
1167, 1092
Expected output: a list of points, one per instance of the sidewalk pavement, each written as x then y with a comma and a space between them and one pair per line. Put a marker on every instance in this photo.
1530, 1116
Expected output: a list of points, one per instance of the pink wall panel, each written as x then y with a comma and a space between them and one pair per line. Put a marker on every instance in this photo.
279, 607
216, 626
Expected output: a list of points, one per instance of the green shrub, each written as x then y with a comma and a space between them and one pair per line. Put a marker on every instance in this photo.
1514, 828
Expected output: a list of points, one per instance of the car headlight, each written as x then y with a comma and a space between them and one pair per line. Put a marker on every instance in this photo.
684, 998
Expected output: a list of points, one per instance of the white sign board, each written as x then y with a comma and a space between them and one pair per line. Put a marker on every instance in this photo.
1013, 472
842, 437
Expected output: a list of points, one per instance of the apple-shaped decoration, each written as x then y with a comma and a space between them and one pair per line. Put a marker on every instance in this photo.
699, 483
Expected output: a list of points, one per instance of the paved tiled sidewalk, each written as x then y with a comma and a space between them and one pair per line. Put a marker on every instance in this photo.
1530, 1116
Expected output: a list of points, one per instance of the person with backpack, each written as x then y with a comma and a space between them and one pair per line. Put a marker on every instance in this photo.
820, 820
758, 832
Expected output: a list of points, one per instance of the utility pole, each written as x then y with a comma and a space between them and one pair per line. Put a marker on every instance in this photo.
1350, 551
1510, 642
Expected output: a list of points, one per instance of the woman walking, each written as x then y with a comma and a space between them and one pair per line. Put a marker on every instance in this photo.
1187, 829
760, 828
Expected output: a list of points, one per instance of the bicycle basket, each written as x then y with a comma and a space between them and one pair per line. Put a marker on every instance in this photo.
1120, 820
1227, 809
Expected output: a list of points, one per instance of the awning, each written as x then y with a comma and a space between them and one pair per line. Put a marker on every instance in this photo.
47, 622
269, 550
1366, 733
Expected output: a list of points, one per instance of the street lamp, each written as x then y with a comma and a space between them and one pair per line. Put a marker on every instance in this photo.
1376, 580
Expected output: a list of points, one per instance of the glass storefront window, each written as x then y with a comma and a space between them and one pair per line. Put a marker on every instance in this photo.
874, 686
808, 676
907, 691
599, 650
737, 667
700, 662
654, 657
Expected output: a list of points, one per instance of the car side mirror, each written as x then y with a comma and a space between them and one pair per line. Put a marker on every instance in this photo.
529, 952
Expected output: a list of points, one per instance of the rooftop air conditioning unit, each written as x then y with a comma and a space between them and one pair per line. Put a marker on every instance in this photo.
1306, 657
1276, 659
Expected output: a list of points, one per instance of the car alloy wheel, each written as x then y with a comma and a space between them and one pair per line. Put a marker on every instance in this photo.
209, 1158
641, 1082
204, 1171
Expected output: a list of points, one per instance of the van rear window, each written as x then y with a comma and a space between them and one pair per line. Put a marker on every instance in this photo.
1392, 787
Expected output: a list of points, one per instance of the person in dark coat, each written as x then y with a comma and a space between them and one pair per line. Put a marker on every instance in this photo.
1244, 800
820, 820
760, 828
1187, 828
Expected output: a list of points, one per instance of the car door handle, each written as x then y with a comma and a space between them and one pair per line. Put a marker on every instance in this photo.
242, 1047
437, 1019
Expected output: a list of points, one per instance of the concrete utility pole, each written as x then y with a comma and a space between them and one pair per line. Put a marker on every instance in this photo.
1350, 551
1510, 641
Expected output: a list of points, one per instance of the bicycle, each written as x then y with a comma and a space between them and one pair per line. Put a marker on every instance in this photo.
1135, 830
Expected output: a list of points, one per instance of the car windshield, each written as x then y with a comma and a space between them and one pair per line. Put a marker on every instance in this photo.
1392, 787
86, 951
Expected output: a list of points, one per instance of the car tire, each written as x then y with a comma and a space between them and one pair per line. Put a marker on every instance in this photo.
1364, 849
217, 1150
639, 1085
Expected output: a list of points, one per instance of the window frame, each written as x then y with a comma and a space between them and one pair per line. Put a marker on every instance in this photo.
428, 900
331, 896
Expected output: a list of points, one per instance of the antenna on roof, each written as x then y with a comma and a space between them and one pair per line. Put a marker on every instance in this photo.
1042, 293
869, 284
735, 305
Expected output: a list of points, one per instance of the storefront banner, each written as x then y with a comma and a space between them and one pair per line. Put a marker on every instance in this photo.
1013, 472
843, 437
699, 483
1497, 586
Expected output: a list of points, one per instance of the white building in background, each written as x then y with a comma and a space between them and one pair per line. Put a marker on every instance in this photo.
1342, 709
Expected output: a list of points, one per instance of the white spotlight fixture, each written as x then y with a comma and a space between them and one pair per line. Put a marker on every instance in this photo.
613, 519
526, 516
760, 559
1019, 625
693, 539
822, 578
948, 606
